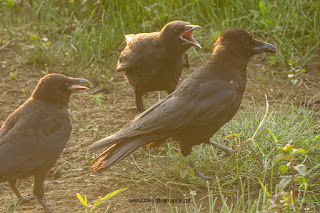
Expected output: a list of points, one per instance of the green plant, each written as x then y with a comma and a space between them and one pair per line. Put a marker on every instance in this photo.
24, 92
10, 3
295, 72
45, 71
97, 99
13, 75
297, 171
282, 200
90, 208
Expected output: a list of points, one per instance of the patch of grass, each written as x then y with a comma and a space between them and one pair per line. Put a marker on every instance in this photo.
256, 136
10, 205
89, 35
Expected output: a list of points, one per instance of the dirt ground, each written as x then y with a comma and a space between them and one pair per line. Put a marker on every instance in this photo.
71, 174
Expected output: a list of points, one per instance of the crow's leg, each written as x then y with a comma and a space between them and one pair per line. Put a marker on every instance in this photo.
38, 189
206, 178
224, 149
44, 205
139, 102
23, 199
186, 150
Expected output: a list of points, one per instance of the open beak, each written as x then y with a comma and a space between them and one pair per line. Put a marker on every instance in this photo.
75, 81
187, 36
261, 46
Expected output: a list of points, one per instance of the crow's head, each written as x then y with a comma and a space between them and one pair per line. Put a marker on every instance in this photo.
242, 43
178, 36
57, 88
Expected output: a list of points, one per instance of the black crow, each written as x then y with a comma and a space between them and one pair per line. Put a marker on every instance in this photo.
154, 61
206, 100
34, 135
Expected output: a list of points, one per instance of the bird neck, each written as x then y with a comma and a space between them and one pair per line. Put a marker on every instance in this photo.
227, 63
56, 99
228, 67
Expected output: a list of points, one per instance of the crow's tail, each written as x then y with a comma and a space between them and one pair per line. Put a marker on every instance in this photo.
116, 151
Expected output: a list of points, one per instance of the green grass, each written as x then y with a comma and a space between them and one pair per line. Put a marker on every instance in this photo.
10, 205
87, 36
256, 135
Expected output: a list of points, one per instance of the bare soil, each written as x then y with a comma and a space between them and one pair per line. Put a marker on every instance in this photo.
71, 174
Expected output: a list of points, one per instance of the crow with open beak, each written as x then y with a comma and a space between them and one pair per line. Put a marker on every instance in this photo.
34, 135
154, 61
206, 100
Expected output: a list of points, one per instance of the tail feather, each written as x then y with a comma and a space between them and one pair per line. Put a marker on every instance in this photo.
103, 143
116, 153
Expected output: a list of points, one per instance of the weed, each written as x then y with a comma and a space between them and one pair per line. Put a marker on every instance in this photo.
283, 200
90, 208
24, 92
45, 71
97, 99
13, 75
295, 72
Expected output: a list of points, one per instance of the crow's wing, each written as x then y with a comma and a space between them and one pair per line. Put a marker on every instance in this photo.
141, 53
175, 113
31, 141
129, 37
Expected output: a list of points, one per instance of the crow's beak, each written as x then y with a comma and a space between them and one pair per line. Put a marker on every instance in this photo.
261, 46
74, 81
187, 36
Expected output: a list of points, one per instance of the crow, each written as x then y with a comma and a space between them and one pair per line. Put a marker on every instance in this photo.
34, 135
207, 99
154, 61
